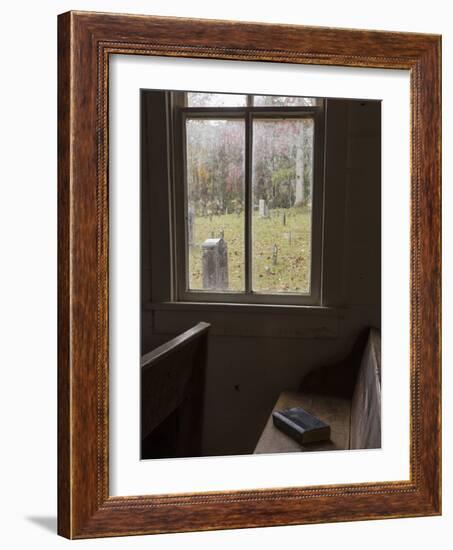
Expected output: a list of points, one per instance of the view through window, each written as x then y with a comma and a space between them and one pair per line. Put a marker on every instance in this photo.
249, 177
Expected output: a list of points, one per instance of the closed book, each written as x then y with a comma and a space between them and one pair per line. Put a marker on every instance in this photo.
302, 426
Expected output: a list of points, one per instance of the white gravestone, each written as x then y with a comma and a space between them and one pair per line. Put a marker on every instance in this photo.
215, 264
300, 191
263, 210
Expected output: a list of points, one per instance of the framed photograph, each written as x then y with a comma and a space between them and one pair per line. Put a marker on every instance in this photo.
249, 220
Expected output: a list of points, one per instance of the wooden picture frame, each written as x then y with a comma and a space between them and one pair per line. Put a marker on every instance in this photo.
85, 41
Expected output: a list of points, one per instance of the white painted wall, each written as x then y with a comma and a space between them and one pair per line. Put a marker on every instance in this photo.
28, 270
252, 364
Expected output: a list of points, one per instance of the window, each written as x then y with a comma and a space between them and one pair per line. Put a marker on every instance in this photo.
248, 197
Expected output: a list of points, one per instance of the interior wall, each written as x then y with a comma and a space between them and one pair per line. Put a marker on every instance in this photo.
255, 354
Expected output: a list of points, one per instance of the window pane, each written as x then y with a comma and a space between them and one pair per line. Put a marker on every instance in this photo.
282, 101
282, 205
215, 206
198, 99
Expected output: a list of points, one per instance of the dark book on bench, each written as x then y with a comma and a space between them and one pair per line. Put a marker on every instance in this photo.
302, 426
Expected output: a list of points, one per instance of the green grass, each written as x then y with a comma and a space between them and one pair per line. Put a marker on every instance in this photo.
287, 271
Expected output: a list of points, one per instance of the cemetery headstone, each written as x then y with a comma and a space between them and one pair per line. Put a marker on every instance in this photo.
215, 264
263, 209
274, 254
190, 220
299, 198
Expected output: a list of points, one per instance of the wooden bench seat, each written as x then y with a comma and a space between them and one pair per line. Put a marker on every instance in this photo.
346, 397
333, 410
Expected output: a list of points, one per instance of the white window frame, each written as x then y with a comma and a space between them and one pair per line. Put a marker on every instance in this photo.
181, 291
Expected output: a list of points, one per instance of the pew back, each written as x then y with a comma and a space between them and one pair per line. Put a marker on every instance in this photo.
366, 399
172, 381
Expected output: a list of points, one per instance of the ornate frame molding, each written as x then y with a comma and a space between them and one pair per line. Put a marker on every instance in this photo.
86, 40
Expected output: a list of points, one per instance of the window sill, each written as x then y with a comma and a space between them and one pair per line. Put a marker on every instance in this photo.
252, 320
243, 308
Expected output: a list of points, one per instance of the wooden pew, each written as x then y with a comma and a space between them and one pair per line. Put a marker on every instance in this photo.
345, 396
172, 395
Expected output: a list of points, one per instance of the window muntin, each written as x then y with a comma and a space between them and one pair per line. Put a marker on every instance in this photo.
299, 238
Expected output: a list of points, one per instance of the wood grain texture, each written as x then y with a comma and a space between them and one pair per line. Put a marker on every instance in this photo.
64, 370
171, 376
85, 42
352, 407
366, 400
335, 411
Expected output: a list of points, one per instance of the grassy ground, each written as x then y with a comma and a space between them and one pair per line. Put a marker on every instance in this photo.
281, 251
